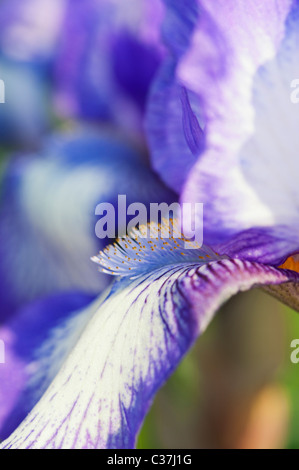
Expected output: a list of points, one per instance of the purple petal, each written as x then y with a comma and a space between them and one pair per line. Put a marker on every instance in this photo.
192, 130
24, 116
29, 29
22, 337
264, 245
132, 343
47, 223
237, 62
167, 116
135, 81
108, 56
245, 177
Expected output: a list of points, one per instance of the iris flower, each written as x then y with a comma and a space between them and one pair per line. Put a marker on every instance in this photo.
222, 130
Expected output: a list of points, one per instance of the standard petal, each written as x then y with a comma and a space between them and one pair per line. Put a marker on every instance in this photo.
169, 111
171, 155
23, 337
246, 175
237, 62
131, 344
47, 224
215, 48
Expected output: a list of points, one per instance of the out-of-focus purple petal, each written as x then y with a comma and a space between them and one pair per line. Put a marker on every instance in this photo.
47, 221
29, 29
23, 336
133, 341
24, 116
109, 53
134, 66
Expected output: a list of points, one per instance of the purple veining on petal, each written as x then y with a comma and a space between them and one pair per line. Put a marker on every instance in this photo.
264, 245
23, 336
131, 344
193, 133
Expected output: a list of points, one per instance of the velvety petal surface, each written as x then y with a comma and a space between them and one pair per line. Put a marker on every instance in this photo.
133, 341
47, 219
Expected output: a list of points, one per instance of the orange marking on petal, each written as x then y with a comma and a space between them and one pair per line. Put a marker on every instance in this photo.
291, 263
